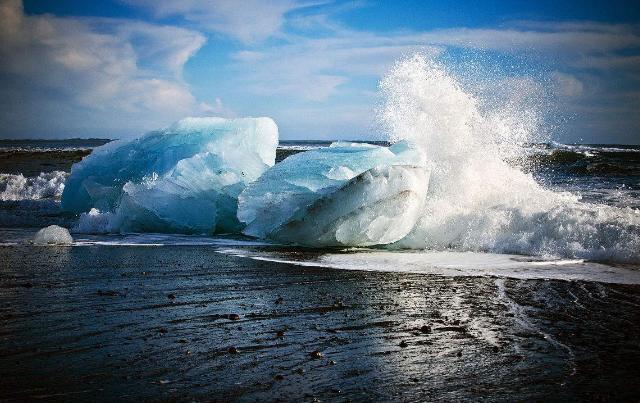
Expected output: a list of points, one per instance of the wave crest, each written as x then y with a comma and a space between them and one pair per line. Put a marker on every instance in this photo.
478, 197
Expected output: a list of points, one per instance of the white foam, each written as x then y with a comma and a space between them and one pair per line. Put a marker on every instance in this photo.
96, 222
587, 149
47, 185
452, 264
155, 239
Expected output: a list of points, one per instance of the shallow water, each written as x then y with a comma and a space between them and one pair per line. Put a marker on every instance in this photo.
440, 263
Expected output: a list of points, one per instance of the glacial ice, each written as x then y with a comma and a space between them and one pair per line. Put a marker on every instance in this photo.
348, 194
185, 178
53, 235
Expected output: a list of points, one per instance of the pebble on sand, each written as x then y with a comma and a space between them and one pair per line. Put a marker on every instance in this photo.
316, 354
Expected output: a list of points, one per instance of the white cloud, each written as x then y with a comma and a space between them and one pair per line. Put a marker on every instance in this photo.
315, 67
561, 42
105, 74
590, 59
328, 122
249, 21
123, 75
217, 109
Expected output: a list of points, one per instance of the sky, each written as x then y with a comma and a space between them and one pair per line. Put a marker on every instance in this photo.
113, 69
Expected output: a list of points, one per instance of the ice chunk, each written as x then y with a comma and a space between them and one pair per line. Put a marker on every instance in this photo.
379, 206
53, 235
347, 194
185, 178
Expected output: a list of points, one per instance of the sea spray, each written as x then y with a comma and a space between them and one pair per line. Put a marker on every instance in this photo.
477, 200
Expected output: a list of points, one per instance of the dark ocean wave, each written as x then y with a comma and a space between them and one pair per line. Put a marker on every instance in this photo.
587, 160
46, 145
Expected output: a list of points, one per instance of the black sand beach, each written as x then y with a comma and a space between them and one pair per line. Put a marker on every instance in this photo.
103, 323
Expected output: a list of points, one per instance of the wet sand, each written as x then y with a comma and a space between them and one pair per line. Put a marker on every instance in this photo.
188, 323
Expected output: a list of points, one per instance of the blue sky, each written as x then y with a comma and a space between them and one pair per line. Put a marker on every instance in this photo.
119, 68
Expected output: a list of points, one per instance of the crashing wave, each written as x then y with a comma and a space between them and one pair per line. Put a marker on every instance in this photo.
47, 185
478, 198
477, 201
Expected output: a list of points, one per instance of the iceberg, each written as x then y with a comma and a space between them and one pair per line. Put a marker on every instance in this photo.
185, 178
348, 194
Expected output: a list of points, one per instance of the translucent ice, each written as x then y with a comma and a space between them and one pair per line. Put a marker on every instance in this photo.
53, 235
185, 178
347, 194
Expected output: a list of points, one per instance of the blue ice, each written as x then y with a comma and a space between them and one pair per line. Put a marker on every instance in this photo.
185, 178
